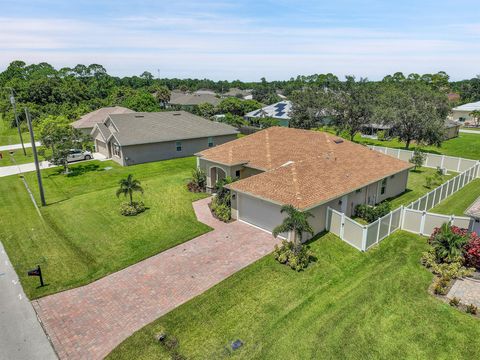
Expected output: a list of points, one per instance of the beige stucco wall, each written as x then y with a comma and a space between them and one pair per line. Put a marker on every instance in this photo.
456, 115
395, 186
138, 154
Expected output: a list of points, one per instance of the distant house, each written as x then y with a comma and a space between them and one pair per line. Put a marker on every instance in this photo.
87, 122
462, 113
452, 129
280, 111
239, 93
453, 97
141, 137
190, 100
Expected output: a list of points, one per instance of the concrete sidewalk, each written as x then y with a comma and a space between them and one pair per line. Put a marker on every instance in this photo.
18, 146
22, 168
466, 131
21, 335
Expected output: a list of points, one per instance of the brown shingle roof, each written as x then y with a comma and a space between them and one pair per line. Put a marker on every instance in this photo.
303, 168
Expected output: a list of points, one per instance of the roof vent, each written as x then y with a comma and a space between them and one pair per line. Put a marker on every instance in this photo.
288, 163
338, 141
177, 114
139, 116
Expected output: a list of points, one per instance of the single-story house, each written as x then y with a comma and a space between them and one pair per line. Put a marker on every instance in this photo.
462, 113
452, 129
280, 111
190, 100
474, 212
87, 122
142, 137
236, 92
310, 170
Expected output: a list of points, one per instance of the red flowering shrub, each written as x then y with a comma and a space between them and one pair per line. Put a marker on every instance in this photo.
455, 229
472, 251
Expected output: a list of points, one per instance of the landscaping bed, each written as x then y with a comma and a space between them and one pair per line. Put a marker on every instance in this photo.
345, 305
82, 235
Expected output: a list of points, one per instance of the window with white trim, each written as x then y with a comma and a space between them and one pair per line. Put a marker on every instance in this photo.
116, 149
178, 145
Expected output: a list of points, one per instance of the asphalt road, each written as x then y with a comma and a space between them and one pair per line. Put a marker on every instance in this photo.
21, 335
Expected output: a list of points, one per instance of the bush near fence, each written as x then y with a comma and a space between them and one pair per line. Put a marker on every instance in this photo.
415, 216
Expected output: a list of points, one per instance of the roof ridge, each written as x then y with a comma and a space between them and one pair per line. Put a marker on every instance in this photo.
295, 181
267, 145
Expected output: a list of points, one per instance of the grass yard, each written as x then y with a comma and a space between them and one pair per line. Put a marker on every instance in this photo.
18, 158
416, 186
457, 203
82, 236
346, 305
466, 146
9, 135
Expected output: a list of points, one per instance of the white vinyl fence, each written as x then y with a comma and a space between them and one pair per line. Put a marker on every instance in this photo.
451, 163
413, 217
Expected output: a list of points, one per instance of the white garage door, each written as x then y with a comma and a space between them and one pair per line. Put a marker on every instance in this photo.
101, 147
258, 212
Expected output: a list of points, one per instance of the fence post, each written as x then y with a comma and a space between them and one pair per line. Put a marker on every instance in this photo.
327, 223
364, 238
422, 222
434, 197
458, 165
442, 162
390, 223
342, 226
398, 154
402, 217
378, 229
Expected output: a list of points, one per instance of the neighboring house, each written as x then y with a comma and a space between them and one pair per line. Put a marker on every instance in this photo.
87, 122
474, 212
452, 130
189, 100
239, 93
462, 113
310, 170
280, 111
144, 137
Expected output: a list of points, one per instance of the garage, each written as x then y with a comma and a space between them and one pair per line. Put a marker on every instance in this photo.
101, 147
257, 212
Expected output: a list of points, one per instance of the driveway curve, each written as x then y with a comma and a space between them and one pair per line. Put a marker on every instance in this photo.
90, 321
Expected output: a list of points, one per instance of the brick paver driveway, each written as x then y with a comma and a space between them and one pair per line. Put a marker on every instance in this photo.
90, 321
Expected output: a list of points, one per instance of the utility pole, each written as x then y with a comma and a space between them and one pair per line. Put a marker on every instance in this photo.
12, 101
35, 157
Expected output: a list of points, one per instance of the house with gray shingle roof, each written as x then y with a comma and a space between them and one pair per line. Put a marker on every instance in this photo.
142, 137
87, 122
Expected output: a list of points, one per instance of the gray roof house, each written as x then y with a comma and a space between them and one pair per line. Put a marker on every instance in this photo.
87, 122
189, 100
142, 137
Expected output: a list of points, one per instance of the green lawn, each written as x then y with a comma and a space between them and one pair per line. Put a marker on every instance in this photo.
83, 237
9, 135
457, 203
466, 146
346, 305
416, 186
17, 157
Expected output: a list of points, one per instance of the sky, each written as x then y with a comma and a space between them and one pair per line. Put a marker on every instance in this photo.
246, 40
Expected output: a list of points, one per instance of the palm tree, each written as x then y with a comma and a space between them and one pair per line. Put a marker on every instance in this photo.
128, 186
447, 244
296, 221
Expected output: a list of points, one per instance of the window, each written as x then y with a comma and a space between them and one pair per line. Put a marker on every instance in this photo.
116, 149
237, 174
178, 145
210, 141
384, 186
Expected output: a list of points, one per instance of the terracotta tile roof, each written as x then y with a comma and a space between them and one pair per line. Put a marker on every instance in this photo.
303, 168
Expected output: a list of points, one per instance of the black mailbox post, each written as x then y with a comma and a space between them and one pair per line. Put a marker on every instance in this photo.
37, 272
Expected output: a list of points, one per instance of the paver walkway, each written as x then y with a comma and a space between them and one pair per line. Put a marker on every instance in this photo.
467, 290
90, 321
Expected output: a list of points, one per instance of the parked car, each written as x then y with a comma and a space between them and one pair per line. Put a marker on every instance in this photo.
77, 155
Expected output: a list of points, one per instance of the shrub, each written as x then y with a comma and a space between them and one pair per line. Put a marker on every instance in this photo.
418, 158
472, 251
381, 135
472, 309
453, 270
454, 301
448, 242
198, 182
297, 260
133, 209
221, 211
440, 286
372, 213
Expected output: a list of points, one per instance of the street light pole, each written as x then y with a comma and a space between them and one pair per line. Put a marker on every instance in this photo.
12, 101
35, 157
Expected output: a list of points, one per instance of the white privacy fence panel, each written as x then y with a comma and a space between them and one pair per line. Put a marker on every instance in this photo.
415, 216
450, 163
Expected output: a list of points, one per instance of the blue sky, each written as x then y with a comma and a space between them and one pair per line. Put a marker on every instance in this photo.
246, 40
